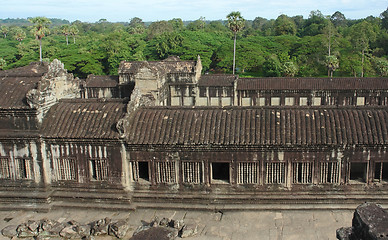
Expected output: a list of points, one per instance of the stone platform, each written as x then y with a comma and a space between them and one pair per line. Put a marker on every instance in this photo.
271, 225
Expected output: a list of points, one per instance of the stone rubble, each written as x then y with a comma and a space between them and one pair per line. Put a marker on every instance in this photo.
165, 229
51, 229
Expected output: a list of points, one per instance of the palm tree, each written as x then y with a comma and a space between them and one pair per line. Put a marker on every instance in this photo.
332, 64
4, 30
20, 35
40, 29
74, 31
66, 31
235, 23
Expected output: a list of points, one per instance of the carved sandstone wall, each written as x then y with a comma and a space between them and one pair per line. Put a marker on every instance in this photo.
56, 84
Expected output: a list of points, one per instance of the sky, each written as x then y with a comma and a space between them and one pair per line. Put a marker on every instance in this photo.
157, 10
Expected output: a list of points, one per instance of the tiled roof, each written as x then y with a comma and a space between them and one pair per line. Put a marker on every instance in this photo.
15, 83
94, 81
311, 83
258, 126
83, 118
216, 80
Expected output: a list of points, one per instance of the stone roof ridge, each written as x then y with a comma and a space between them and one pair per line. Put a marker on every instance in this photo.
92, 100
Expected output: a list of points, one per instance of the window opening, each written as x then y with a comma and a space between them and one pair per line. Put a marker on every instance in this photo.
381, 172
65, 169
192, 172
289, 101
303, 101
358, 172
247, 173
19, 168
275, 173
165, 172
329, 172
302, 172
99, 169
221, 171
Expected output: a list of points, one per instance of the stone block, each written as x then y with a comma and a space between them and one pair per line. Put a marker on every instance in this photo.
9, 231
344, 233
70, 232
100, 227
189, 230
370, 222
118, 229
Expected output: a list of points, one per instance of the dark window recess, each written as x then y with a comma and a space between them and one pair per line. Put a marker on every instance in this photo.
126, 90
22, 168
143, 171
358, 172
212, 92
202, 92
99, 169
381, 171
94, 169
220, 171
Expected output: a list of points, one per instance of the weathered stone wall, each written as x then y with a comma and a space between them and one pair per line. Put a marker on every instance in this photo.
55, 84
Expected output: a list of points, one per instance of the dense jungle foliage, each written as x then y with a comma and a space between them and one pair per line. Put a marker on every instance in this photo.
287, 46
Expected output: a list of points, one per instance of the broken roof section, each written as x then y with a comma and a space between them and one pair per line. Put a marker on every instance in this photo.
15, 83
258, 126
83, 119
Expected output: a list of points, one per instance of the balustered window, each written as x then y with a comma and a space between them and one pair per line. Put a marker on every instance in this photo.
192, 172
329, 172
65, 169
247, 173
302, 172
18, 168
275, 173
99, 169
165, 172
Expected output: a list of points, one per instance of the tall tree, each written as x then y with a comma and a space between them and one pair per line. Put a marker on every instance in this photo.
285, 25
65, 29
338, 19
74, 31
332, 64
40, 29
361, 35
384, 19
235, 23
4, 31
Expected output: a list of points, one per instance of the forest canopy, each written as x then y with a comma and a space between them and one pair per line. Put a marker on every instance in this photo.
286, 46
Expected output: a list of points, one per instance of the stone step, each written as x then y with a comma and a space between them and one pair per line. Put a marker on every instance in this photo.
246, 207
45, 199
92, 205
161, 199
24, 206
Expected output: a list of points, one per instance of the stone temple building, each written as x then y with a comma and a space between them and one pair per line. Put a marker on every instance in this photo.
164, 134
